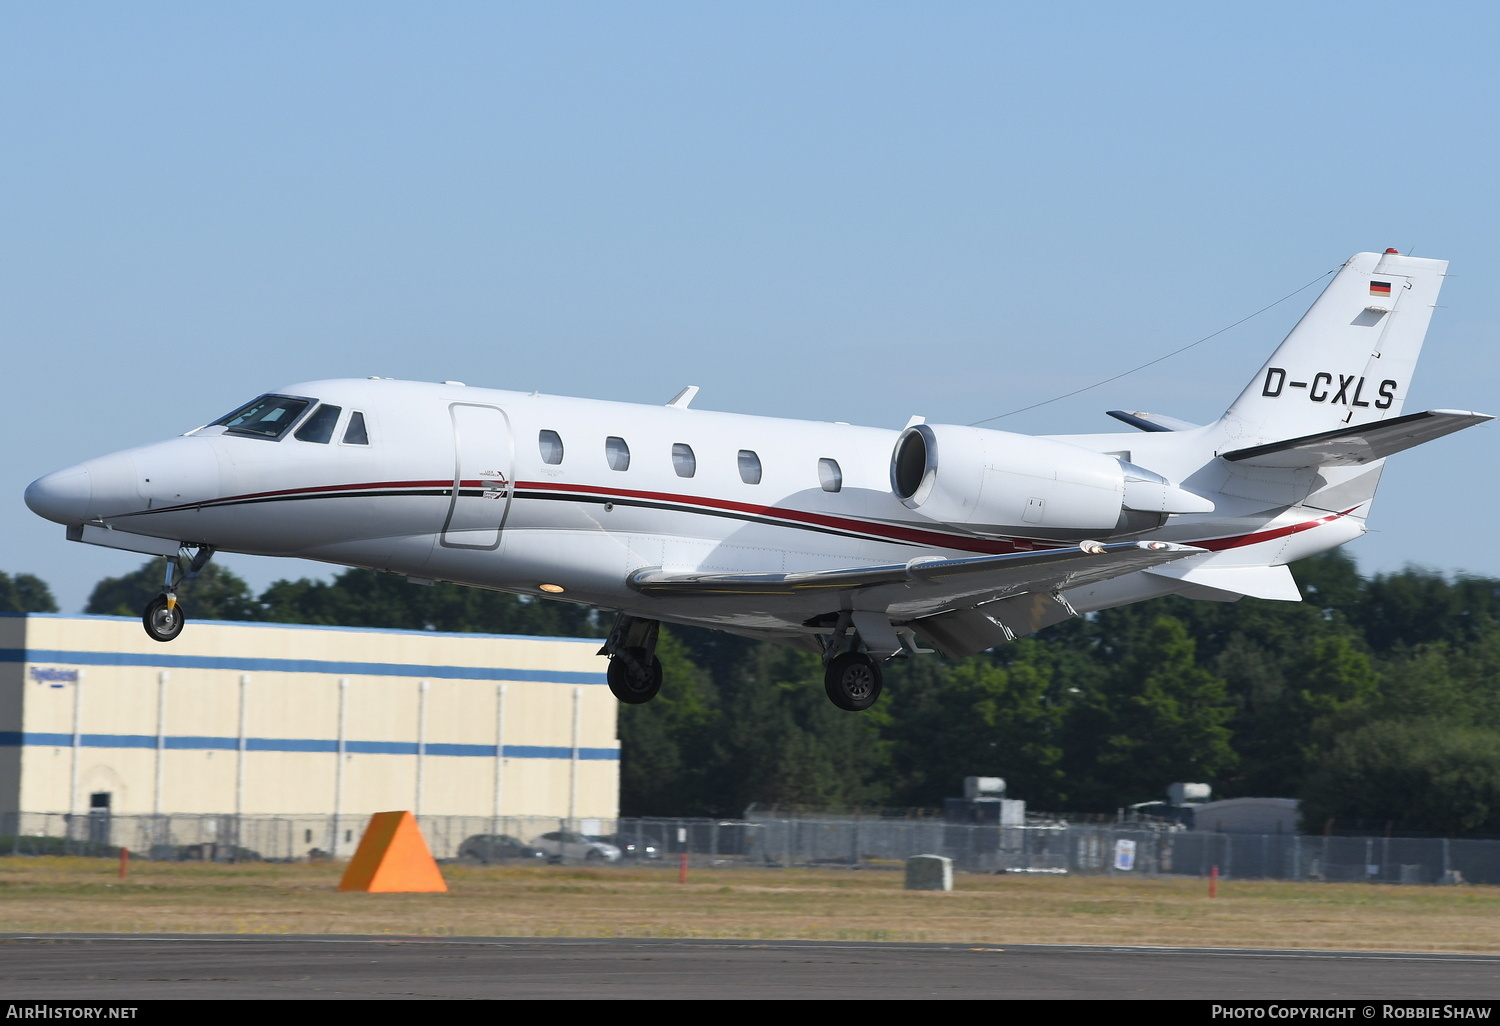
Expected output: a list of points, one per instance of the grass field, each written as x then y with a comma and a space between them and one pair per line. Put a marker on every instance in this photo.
78, 895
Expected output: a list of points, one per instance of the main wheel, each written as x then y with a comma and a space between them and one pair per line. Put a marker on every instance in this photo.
161, 623
852, 681
633, 676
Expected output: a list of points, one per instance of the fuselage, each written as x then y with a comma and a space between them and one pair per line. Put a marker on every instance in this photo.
565, 498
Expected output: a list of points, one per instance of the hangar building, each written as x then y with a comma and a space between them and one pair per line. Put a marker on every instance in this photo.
277, 719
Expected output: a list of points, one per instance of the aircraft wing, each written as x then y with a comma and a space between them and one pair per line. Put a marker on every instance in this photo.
1355, 445
933, 582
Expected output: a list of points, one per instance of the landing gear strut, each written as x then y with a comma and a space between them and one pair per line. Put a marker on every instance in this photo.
163, 617
634, 671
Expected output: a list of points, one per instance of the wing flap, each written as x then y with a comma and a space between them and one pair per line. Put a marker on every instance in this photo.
1364, 443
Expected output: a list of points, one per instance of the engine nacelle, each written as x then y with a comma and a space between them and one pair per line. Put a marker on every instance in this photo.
999, 483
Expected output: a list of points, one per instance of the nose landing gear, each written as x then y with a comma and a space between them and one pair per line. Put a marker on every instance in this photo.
634, 673
163, 617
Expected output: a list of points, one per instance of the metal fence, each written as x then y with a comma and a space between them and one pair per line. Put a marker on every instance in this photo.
783, 841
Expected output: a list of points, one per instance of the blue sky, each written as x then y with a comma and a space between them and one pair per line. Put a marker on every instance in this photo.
836, 211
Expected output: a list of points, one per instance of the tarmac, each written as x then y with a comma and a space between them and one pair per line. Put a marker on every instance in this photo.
155, 967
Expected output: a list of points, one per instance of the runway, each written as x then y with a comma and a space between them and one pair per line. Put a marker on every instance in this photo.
142, 967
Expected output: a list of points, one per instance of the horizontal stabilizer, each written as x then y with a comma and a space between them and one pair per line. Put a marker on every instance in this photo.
1151, 421
1262, 582
1363, 443
1050, 568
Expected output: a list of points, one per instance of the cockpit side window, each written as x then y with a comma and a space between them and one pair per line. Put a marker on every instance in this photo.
356, 433
319, 427
266, 417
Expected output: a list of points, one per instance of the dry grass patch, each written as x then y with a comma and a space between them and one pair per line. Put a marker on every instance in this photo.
67, 895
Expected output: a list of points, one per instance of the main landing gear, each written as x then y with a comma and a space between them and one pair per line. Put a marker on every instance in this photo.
634, 671
852, 655
163, 617
852, 681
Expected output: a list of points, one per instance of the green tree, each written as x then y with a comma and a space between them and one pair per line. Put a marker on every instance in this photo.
216, 594
364, 598
977, 717
1428, 775
664, 743
25, 593
1160, 718
777, 740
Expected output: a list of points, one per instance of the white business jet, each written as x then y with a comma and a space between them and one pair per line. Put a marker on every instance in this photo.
853, 542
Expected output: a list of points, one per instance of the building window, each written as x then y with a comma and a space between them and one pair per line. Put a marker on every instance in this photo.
550, 443
617, 453
749, 467
683, 460
830, 476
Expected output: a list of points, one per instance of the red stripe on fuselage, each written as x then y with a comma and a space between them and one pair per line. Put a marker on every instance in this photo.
878, 531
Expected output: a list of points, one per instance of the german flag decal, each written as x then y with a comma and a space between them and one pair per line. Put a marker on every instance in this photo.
1380, 288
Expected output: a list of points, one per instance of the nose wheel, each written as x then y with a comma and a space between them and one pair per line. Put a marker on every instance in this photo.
163, 618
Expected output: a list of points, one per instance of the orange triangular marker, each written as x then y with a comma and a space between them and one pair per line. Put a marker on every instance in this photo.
392, 857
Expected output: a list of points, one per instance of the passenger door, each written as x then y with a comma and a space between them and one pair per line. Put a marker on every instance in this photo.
484, 454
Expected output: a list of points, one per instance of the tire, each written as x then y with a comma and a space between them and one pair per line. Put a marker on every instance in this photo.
161, 623
852, 681
633, 677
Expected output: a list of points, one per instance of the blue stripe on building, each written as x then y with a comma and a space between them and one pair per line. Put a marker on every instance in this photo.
251, 665
42, 739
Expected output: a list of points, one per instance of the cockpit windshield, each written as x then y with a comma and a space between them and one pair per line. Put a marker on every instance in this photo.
266, 417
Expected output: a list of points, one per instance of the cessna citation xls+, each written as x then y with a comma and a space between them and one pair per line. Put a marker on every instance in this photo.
853, 542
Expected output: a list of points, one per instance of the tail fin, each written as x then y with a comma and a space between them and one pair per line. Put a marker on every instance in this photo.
1349, 360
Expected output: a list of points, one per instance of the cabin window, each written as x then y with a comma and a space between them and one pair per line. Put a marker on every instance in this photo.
749, 467
267, 417
355, 433
319, 427
550, 443
830, 476
617, 453
683, 460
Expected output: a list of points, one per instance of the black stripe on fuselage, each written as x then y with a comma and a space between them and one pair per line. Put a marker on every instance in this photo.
582, 497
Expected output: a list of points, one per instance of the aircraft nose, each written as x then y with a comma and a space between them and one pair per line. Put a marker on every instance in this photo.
62, 497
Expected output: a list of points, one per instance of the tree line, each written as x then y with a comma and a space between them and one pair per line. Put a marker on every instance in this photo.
1374, 701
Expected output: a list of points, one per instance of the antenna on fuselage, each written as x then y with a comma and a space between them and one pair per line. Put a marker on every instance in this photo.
682, 399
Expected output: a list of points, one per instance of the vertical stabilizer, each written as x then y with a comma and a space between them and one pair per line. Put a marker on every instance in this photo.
1349, 360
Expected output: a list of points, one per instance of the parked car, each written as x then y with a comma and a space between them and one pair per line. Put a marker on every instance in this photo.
636, 846
489, 848
564, 844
